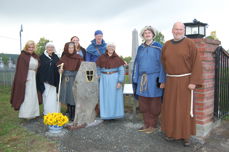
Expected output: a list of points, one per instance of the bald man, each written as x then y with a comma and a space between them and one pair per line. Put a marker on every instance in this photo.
183, 67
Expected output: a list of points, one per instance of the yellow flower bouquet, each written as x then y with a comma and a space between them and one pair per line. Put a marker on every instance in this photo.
55, 119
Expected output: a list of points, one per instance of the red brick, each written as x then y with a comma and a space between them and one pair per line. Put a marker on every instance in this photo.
208, 66
204, 94
203, 104
210, 84
206, 111
205, 81
204, 99
203, 107
208, 75
204, 117
201, 90
209, 58
202, 122
201, 49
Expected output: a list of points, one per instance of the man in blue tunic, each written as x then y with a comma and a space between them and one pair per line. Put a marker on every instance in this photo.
148, 79
96, 48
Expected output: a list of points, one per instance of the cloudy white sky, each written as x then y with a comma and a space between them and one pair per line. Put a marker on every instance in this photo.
59, 20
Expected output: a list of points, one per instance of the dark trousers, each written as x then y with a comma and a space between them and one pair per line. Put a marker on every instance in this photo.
151, 108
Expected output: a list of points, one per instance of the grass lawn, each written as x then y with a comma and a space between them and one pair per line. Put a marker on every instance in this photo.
15, 138
226, 117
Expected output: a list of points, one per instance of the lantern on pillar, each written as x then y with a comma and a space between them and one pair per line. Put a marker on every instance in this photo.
195, 29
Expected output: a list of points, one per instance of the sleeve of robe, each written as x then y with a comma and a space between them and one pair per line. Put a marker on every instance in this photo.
162, 71
121, 74
40, 84
162, 57
60, 61
135, 74
196, 77
56, 73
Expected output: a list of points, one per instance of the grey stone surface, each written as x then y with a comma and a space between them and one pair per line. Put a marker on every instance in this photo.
122, 136
95, 122
135, 45
85, 91
218, 140
203, 130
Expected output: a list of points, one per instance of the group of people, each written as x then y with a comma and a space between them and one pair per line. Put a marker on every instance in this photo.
37, 78
163, 78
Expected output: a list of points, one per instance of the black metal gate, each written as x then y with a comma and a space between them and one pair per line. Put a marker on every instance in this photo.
221, 103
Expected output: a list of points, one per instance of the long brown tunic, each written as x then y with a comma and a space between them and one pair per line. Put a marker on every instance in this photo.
179, 58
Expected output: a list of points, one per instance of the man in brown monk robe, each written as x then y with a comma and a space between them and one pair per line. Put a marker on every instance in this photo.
183, 66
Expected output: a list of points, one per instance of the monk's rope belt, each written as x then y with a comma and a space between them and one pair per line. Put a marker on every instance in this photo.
109, 72
183, 75
179, 75
143, 83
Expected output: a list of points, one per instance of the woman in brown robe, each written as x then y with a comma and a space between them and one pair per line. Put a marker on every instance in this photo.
24, 92
110, 69
184, 73
72, 63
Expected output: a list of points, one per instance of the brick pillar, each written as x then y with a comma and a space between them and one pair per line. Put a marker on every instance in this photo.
204, 97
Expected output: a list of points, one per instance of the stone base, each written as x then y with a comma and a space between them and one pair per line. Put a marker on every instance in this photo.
62, 133
202, 131
95, 123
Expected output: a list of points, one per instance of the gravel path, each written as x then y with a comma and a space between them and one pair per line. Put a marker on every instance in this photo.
120, 136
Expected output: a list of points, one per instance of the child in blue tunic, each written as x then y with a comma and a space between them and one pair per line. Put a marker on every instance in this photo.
111, 72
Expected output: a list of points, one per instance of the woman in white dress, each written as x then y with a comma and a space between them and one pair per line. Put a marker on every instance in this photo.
48, 79
24, 95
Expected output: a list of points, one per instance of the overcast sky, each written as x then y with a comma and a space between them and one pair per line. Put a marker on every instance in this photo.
59, 20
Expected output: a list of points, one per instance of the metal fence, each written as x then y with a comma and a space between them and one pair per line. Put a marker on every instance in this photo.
221, 103
6, 77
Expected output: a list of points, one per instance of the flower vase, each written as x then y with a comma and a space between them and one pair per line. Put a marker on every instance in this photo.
55, 128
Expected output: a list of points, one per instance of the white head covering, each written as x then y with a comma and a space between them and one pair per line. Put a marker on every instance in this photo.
46, 46
111, 44
50, 44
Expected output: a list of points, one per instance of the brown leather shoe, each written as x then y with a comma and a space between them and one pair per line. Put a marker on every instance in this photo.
187, 143
150, 130
142, 129
169, 138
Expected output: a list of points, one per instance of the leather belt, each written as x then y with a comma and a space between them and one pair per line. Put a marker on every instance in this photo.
109, 72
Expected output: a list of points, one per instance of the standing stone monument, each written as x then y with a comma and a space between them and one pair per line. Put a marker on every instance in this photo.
128, 87
85, 91
134, 52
